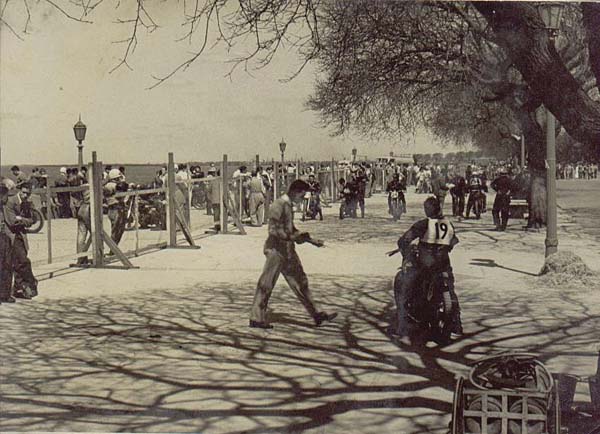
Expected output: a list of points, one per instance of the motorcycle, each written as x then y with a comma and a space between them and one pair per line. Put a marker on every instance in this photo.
151, 213
476, 200
396, 204
29, 211
428, 310
310, 207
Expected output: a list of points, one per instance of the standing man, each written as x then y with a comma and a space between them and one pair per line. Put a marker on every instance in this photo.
116, 207
16, 224
438, 187
282, 258
214, 193
84, 227
458, 193
20, 176
257, 192
503, 186
64, 197
6, 257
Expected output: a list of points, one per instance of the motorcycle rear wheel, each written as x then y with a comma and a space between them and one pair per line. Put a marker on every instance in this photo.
38, 220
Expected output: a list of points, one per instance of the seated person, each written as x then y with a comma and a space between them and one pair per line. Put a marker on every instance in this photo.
436, 240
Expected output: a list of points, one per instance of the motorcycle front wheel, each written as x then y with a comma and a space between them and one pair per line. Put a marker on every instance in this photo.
38, 220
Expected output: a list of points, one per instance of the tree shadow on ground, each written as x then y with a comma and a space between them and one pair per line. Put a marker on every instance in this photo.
184, 359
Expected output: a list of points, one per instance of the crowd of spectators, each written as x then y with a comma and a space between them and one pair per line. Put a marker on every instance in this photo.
579, 170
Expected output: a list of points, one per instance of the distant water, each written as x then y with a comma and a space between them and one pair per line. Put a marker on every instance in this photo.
136, 173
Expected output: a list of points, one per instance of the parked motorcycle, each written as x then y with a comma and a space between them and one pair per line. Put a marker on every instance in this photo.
310, 207
29, 211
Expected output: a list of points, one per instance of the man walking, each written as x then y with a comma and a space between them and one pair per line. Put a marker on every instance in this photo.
281, 258
503, 187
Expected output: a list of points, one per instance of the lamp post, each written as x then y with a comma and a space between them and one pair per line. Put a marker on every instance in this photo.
354, 151
550, 14
282, 146
79, 129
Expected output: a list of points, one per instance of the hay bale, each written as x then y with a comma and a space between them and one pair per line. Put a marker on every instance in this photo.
566, 268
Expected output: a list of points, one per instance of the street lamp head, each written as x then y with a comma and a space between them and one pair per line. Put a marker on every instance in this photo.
551, 12
282, 146
79, 129
354, 151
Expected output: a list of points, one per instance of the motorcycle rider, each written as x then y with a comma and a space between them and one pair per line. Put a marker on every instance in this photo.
396, 184
315, 190
437, 238
503, 186
345, 195
361, 188
476, 188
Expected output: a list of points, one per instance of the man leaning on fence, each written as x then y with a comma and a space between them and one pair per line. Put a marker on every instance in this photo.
84, 228
116, 207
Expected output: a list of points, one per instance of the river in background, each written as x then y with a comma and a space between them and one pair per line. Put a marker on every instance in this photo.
135, 173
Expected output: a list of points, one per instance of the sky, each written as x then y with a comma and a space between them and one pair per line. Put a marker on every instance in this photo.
61, 69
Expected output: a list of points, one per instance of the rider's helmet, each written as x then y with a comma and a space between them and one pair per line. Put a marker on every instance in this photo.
432, 207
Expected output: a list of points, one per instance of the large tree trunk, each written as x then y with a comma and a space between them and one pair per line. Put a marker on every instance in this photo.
535, 141
536, 151
520, 30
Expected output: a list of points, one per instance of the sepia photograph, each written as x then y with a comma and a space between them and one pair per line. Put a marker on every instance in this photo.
300, 216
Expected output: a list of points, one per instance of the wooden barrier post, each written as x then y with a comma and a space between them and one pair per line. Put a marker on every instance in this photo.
136, 216
49, 221
190, 188
297, 169
95, 176
257, 161
333, 183
224, 194
276, 180
171, 222
240, 182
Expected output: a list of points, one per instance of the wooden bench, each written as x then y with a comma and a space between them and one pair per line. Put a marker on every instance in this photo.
518, 208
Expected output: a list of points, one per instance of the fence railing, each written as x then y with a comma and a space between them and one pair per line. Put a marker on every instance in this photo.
198, 204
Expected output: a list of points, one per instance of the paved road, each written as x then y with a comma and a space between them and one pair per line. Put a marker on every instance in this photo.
581, 199
166, 347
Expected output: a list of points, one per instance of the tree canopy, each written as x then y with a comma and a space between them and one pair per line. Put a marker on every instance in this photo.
468, 70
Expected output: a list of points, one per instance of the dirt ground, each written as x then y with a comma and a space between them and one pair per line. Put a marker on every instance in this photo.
166, 347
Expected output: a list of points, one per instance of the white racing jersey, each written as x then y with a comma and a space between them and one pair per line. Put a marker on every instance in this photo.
439, 231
